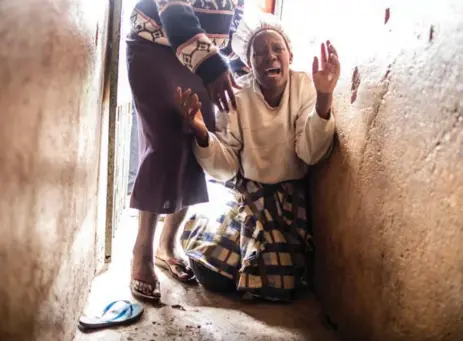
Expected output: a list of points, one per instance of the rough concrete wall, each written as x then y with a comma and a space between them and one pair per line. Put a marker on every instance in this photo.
51, 76
388, 204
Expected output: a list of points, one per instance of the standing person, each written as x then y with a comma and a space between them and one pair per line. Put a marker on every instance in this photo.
171, 44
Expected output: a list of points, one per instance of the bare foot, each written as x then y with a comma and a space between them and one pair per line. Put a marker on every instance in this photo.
145, 278
169, 252
167, 255
175, 263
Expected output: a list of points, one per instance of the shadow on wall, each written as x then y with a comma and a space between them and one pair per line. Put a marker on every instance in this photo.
51, 76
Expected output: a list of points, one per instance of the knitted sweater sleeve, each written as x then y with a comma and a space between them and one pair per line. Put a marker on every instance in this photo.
189, 40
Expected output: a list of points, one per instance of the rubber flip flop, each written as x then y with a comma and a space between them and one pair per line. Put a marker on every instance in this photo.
136, 287
116, 313
168, 264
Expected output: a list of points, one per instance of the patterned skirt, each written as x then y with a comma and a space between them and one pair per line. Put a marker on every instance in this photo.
260, 238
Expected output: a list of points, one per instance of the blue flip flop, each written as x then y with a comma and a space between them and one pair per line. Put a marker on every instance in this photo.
116, 313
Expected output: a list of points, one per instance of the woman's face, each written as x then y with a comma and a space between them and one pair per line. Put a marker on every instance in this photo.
270, 59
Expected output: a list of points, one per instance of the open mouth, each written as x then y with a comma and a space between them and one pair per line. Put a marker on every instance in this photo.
274, 71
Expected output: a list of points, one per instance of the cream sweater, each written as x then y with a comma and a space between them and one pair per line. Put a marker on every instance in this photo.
268, 145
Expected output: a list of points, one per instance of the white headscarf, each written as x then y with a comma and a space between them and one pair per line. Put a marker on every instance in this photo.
252, 23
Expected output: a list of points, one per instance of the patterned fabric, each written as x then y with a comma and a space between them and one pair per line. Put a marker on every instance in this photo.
147, 28
193, 52
197, 31
260, 240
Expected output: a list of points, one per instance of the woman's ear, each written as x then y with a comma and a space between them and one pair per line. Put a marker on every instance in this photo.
290, 58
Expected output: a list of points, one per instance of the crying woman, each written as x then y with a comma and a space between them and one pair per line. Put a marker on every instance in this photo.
282, 124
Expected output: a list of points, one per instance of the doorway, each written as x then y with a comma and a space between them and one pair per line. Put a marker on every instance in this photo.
123, 146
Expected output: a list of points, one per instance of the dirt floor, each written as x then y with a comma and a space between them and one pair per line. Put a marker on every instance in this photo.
188, 312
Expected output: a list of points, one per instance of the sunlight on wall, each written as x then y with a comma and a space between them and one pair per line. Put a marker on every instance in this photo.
357, 28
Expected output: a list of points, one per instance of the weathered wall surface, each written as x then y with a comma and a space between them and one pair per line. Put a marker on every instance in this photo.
51, 75
388, 204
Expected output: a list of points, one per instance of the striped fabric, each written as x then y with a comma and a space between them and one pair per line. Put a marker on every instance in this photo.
199, 32
260, 240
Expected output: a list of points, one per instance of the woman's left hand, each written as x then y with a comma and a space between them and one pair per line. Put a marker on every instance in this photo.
326, 75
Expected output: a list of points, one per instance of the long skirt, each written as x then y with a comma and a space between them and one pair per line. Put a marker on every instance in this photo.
169, 178
260, 239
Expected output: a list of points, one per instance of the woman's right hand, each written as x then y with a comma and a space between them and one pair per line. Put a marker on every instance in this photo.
192, 116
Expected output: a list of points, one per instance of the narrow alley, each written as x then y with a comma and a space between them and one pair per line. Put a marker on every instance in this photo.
385, 206
188, 312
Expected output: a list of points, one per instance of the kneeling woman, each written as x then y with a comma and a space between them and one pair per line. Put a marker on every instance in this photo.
282, 124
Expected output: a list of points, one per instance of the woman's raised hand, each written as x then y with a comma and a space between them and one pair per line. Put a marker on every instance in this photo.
191, 113
326, 75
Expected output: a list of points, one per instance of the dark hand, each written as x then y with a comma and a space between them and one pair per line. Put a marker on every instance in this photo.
220, 89
191, 113
326, 77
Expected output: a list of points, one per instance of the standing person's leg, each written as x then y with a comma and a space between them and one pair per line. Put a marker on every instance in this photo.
167, 254
155, 186
169, 178
144, 280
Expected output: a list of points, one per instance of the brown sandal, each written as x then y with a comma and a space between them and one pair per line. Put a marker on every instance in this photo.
170, 263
